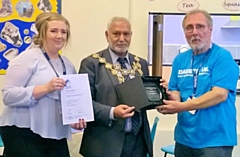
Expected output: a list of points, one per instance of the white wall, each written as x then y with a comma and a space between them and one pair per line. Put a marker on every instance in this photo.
88, 19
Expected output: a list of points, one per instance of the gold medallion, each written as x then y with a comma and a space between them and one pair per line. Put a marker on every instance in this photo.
132, 72
108, 66
120, 79
138, 65
95, 55
114, 72
102, 60
140, 72
116, 69
136, 59
117, 66
135, 67
119, 75
125, 72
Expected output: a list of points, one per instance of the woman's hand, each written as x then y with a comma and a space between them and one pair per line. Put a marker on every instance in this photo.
80, 125
55, 84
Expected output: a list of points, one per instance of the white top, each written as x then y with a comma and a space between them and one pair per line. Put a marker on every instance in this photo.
42, 116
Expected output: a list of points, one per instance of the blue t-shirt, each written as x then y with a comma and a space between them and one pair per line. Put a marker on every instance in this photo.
216, 125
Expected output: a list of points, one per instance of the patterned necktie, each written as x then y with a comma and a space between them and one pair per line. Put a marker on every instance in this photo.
123, 62
136, 120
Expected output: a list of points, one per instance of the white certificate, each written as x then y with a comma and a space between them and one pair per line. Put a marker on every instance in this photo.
76, 99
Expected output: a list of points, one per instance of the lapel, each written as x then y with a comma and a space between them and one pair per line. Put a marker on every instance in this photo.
108, 58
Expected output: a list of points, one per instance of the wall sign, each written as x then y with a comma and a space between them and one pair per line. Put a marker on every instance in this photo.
187, 5
17, 26
232, 5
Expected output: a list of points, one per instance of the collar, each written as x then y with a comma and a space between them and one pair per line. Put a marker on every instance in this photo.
114, 57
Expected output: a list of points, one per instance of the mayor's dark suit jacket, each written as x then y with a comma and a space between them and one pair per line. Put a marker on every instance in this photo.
105, 137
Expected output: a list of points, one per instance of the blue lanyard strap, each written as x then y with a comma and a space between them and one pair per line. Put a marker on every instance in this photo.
196, 73
49, 61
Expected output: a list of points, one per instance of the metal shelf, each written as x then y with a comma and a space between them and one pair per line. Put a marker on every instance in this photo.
232, 24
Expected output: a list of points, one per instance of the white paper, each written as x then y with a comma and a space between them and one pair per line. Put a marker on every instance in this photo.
192, 111
76, 99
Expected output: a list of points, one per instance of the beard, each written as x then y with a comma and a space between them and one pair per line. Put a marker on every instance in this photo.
119, 49
196, 47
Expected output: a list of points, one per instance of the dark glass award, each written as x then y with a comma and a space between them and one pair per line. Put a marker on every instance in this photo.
155, 92
144, 93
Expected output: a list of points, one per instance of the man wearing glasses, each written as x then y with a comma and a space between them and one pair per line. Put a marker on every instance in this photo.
202, 90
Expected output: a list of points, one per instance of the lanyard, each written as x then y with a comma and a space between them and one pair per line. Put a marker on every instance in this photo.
196, 73
49, 61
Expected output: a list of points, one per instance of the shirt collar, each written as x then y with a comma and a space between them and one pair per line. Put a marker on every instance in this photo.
114, 57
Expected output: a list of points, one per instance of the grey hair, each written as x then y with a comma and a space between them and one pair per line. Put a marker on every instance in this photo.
204, 12
115, 19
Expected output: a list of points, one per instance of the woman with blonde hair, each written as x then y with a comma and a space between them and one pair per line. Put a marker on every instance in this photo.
31, 123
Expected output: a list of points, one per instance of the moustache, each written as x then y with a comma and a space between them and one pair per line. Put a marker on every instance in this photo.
122, 44
195, 38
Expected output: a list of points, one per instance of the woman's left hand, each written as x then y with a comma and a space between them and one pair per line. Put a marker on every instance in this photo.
80, 125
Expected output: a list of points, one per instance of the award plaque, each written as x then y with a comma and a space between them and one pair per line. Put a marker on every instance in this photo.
155, 92
142, 92
132, 93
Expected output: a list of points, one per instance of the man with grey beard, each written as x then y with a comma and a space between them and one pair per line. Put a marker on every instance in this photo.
202, 90
114, 132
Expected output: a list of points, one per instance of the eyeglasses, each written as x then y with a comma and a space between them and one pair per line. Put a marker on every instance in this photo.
190, 28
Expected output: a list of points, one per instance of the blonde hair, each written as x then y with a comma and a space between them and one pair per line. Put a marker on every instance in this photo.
41, 24
194, 11
115, 19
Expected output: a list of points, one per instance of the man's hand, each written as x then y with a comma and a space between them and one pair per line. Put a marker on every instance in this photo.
164, 83
123, 111
171, 107
173, 95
